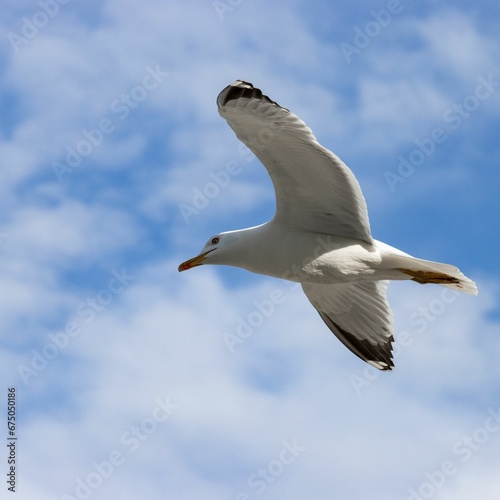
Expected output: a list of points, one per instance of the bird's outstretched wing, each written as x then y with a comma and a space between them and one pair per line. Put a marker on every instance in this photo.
359, 315
315, 190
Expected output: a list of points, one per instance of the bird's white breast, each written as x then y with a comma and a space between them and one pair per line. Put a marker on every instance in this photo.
308, 257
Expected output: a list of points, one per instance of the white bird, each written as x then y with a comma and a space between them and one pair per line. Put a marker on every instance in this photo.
320, 234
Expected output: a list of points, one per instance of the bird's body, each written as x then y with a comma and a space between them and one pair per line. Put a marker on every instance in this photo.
302, 257
320, 235
307, 257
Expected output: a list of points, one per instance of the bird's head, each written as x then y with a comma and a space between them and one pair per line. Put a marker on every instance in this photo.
232, 248
212, 253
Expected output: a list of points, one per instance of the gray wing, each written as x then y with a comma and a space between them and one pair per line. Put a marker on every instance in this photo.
315, 190
359, 315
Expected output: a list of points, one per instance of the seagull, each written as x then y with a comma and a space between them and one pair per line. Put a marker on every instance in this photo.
320, 234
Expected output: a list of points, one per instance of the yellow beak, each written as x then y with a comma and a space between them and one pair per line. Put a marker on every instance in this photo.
195, 261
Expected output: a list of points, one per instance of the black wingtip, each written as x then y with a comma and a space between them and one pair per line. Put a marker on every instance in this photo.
238, 89
378, 356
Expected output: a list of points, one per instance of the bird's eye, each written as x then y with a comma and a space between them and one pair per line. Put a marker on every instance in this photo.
215, 241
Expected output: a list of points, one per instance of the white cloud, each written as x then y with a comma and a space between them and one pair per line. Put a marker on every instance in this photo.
70, 230
456, 43
163, 337
394, 111
480, 480
406, 87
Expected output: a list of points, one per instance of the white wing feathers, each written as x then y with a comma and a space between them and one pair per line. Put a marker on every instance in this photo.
315, 192
314, 189
359, 315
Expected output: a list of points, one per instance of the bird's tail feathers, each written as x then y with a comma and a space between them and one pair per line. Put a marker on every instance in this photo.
426, 271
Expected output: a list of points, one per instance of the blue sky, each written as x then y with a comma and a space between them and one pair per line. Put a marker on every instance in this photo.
126, 384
